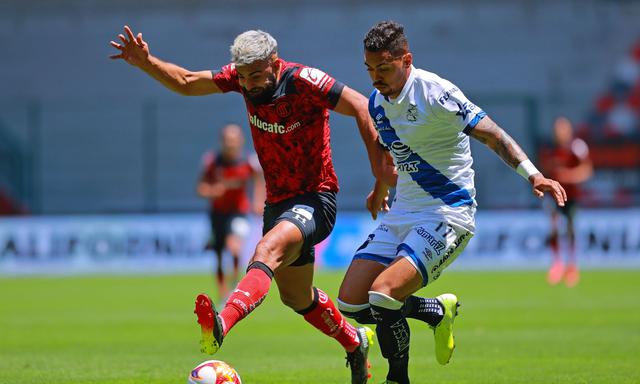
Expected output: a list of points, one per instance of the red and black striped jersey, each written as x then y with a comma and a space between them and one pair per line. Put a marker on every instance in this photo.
291, 132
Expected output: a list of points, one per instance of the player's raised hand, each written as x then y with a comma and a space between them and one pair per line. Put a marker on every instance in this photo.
378, 200
541, 185
133, 49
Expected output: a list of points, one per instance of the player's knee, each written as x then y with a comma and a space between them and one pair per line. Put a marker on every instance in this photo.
384, 287
266, 253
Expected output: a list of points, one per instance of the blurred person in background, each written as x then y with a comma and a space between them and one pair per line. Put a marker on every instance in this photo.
568, 162
425, 122
224, 181
288, 108
10, 206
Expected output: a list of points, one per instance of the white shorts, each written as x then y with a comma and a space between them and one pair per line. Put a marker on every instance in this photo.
429, 244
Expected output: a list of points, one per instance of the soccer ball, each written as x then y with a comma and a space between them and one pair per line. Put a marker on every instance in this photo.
214, 372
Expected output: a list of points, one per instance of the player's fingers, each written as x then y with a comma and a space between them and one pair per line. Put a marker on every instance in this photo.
119, 56
129, 33
123, 39
115, 45
139, 39
564, 193
560, 195
538, 193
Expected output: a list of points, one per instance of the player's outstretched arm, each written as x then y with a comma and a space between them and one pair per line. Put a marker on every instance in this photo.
490, 134
135, 51
352, 103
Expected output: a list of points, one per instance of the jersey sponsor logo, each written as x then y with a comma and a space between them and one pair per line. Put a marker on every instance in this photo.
412, 113
409, 167
272, 127
436, 244
447, 255
314, 76
447, 94
400, 150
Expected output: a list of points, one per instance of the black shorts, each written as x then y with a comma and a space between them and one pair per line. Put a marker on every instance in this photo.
221, 227
313, 213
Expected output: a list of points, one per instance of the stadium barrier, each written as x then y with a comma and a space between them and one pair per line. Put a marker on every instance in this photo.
170, 243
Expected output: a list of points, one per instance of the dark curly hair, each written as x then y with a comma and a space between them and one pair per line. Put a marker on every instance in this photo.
387, 36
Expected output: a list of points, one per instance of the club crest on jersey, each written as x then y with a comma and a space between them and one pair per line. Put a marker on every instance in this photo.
283, 109
314, 76
412, 113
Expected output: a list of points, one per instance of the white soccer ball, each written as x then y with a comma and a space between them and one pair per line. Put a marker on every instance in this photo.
214, 372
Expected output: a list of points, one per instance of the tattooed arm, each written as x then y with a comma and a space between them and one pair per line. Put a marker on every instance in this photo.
494, 137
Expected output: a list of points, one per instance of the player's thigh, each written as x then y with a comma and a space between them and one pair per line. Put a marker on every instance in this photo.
399, 280
295, 284
358, 279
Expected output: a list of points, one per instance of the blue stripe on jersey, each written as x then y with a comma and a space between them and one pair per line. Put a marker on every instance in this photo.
472, 124
416, 260
424, 174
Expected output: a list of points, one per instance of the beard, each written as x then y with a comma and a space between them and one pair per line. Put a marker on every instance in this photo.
262, 95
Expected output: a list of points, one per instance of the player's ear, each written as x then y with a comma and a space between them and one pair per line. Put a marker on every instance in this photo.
275, 64
407, 60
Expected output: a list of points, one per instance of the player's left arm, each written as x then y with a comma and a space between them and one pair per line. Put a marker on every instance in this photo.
352, 103
494, 137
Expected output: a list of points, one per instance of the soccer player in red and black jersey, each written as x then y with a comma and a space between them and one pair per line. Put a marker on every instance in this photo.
224, 181
288, 108
569, 163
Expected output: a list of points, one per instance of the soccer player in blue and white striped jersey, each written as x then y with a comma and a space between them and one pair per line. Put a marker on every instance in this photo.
425, 122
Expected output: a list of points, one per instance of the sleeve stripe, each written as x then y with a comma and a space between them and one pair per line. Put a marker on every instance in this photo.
472, 124
334, 93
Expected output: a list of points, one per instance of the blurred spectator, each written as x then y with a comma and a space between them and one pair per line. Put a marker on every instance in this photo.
569, 163
224, 181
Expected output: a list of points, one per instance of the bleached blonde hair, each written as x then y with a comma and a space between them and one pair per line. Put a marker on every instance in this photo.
251, 46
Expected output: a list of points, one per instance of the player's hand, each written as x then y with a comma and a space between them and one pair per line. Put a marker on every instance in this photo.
133, 49
541, 185
378, 199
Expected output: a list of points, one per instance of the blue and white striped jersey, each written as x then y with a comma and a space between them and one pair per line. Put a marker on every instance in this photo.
426, 130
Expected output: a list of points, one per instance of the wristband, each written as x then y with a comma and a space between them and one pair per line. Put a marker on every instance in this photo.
526, 169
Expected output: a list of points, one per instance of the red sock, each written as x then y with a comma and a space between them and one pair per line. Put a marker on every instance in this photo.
325, 316
249, 293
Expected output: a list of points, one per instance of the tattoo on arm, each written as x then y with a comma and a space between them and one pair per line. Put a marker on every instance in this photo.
490, 134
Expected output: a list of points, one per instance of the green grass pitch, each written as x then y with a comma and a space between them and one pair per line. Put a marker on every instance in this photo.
512, 328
